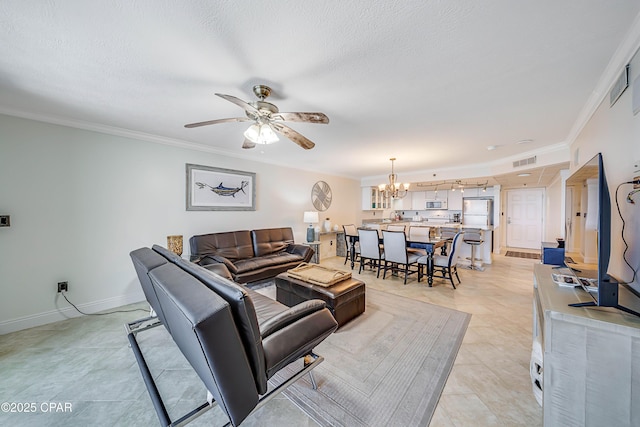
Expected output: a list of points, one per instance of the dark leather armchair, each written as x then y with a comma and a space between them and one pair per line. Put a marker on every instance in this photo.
234, 338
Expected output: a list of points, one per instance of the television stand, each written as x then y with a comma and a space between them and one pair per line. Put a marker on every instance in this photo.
593, 304
585, 361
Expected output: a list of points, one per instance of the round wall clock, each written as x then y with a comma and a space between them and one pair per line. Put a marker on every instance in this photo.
321, 196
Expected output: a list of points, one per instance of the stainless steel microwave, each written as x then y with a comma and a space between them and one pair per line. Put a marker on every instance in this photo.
435, 204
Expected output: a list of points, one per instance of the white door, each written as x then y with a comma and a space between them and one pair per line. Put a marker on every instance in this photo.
524, 218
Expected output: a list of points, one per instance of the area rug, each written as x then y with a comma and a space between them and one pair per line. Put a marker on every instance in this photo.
522, 255
386, 367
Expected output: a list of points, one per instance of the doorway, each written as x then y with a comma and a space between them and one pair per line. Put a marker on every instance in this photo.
524, 218
569, 212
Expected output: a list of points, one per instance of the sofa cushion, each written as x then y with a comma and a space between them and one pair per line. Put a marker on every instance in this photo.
220, 260
233, 245
265, 307
242, 266
271, 240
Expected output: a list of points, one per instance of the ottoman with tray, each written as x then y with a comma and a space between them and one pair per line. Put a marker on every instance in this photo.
344, 295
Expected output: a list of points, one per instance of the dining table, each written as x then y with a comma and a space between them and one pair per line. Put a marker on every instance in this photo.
429, 245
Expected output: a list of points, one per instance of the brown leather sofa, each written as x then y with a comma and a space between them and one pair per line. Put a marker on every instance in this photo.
250, 256
234, 338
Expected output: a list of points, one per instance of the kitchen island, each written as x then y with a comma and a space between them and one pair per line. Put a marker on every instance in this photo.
483, 252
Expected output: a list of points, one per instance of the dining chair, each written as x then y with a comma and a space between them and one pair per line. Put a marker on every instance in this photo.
446, 264
375, 227
396, 227
351, 231
396, 254
447, 233
370, 252
418, 233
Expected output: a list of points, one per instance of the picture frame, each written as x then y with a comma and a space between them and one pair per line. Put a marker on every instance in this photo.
218, 189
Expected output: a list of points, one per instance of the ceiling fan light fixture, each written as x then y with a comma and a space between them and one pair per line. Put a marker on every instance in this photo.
261, 134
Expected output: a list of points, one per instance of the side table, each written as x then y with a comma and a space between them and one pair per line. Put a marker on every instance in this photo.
316, 251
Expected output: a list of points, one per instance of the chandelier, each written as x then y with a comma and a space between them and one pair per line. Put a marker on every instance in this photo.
394, 189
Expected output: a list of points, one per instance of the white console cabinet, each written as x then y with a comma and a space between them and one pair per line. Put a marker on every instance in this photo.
590, 356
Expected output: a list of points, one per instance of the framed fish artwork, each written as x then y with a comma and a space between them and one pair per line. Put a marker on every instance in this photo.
217, 189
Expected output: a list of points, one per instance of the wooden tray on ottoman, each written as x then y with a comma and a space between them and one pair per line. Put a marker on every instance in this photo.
318, 275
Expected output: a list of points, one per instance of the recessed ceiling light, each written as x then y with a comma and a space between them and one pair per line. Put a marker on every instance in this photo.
524, 174
524, 141
492, 147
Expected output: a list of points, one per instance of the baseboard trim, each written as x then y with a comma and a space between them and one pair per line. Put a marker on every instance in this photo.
65, 311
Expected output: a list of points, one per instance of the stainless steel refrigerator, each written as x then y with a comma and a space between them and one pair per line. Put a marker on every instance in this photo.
477, 212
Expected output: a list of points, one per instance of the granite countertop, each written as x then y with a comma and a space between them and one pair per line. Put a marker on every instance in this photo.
427, 224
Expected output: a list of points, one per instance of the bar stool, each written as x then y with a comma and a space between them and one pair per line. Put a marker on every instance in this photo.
474, 238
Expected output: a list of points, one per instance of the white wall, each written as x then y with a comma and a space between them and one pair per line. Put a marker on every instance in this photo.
554, 216
80, 201
615, 132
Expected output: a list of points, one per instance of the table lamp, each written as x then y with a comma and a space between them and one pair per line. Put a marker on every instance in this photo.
311, 217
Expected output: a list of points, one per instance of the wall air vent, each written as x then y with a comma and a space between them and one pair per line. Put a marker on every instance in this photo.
524, 162
619, 86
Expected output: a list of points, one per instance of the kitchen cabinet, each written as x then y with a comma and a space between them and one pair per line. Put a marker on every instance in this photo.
436, 195
417, 200
477, 192
471, 192
403, 204
374, 199
455, 200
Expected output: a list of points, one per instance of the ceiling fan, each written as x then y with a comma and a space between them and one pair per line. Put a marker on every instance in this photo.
267, 120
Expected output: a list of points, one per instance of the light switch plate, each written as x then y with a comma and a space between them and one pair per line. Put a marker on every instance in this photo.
5, 220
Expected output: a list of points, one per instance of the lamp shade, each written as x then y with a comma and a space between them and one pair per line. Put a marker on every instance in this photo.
261, 134
311, 217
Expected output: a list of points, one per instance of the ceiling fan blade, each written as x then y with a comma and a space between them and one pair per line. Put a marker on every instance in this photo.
293, 135
248, 144
213, 122
320, 118
240, 103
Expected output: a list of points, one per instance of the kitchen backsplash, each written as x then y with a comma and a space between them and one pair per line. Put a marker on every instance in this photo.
409, 215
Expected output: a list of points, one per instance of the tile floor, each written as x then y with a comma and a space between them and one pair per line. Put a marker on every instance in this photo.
86, 362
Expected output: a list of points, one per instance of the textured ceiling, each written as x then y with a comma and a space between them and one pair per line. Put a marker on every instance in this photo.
432, 83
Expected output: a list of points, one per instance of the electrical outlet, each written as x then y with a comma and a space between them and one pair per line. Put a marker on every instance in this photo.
63, 286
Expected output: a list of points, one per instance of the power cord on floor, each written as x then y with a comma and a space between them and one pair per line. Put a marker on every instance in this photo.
100, 314
626, 245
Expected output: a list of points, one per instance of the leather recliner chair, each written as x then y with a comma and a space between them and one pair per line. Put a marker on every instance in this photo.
234, 338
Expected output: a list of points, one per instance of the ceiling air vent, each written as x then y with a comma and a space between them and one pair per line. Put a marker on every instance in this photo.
619, 86
524, 162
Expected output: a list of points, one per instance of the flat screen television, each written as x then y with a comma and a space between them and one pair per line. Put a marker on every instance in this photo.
589, 212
